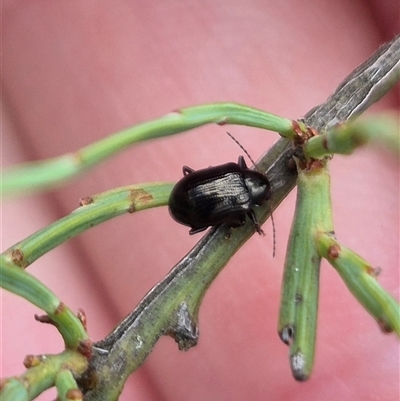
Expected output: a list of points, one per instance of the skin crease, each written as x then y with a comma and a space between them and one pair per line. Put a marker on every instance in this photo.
74, 72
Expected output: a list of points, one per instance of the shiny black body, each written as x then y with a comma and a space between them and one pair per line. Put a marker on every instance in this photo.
216, 195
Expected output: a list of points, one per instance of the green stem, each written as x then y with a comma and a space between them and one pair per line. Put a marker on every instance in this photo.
44, 174
360, 278
13, 389
94, 210
20, 282
382, 130
299, 302
67, 389
42, 376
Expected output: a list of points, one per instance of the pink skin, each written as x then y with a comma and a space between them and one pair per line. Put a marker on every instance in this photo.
74, 72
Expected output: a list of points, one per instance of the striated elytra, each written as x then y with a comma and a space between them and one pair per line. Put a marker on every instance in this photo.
216, 195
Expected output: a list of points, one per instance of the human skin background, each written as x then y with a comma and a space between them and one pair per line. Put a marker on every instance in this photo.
74, 72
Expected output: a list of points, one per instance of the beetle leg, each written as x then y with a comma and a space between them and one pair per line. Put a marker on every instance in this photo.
253, 218
197, 230
187, 170
242, 164
239, 221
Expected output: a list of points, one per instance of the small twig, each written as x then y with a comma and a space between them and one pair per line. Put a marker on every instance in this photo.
363, 87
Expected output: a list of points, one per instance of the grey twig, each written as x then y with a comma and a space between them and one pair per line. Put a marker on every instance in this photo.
363, 87
171, 307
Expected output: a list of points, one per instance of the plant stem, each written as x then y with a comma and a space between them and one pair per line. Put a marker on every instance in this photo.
299, 302
44, 174
93, 211
382, 129
360, 278
20, 282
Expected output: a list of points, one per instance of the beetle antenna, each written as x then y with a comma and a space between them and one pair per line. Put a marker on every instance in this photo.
273, 234
272, 217
241, 147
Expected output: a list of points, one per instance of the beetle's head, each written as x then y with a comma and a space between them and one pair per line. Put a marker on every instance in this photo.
258, 186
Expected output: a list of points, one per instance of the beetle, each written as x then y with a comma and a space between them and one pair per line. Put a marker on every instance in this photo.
217, 195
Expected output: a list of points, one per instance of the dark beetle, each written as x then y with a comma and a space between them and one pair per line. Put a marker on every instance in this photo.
216, 195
